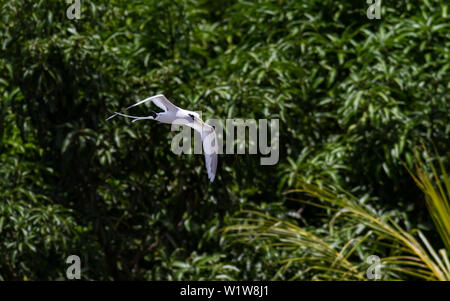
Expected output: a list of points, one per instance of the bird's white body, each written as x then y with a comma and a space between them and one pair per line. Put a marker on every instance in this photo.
175, 115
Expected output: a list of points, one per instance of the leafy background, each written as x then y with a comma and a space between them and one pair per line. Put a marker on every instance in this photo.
354, 97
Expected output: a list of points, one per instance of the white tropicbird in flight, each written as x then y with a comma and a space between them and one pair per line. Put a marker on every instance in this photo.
175, 115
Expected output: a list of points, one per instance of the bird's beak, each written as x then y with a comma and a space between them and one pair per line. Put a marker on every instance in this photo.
199, 120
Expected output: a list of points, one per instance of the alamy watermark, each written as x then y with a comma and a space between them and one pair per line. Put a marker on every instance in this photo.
374, 10
258, 141
74, 270
74, 10
374, 270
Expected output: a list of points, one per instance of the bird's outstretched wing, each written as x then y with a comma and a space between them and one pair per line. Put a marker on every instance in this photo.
210, 148
160, 100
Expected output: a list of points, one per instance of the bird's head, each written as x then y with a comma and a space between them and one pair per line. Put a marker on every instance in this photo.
194, 116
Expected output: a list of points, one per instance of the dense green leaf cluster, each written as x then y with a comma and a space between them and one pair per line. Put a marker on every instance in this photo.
353, 95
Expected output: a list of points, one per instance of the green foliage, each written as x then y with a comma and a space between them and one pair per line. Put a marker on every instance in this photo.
353, 233
437, 195
353, 95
